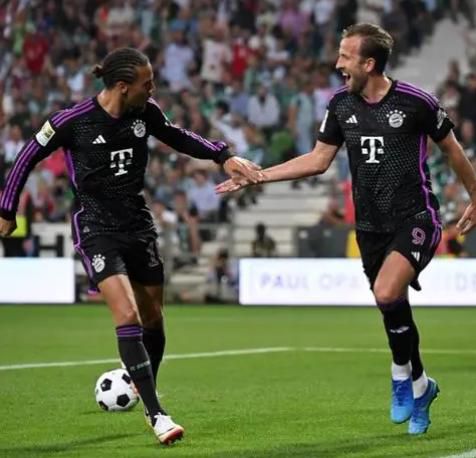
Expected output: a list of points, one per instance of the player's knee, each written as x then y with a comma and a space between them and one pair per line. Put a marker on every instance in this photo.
151, 315
126, 315
152, 322
385, 295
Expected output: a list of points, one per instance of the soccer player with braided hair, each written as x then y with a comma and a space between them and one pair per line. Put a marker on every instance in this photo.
105, 143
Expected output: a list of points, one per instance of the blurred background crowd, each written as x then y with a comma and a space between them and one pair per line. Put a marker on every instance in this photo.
257, 74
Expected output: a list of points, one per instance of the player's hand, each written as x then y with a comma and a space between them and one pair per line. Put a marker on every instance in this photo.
239, 167
468, 220
232, 185
7, 227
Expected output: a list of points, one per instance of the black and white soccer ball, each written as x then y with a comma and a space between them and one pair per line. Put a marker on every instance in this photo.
115, 392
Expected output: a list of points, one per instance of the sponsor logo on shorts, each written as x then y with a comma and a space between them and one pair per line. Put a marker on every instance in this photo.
416, 255
154, 257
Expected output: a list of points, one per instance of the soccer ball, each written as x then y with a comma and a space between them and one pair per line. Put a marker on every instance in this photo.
114, 391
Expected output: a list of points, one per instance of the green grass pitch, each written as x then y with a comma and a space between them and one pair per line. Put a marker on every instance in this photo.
292, 403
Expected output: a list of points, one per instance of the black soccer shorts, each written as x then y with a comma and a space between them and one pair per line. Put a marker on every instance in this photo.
135, 255
416, 239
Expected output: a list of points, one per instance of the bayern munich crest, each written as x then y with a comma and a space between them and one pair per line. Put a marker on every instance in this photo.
395, 118
99, 262
138, 126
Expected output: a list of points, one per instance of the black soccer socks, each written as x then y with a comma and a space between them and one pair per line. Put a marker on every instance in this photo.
398, 322
137, 362
154, 343
403, 336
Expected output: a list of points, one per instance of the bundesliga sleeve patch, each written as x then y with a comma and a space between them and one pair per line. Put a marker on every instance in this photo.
441, 116
45, 134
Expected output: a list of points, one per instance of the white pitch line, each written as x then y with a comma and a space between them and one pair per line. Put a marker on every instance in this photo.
386, 350
468, 454
246, 351
92, 362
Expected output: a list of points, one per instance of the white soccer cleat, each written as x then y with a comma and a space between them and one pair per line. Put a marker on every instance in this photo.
166, 431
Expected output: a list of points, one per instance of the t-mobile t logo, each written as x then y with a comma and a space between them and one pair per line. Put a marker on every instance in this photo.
119, 160
374, 145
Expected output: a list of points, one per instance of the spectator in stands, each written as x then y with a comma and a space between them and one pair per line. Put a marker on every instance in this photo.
323, 90
238, 98
201, 194
166, 222
263, 246
301, 117
216, 56
222, 278
467, 103
178, 59
468, 138
263, 110
453, 240
14, 143
188, 226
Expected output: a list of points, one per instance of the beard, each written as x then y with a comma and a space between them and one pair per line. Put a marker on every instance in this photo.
357, 84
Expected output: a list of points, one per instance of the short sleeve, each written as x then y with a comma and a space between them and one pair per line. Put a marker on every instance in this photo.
330, 131
435, 120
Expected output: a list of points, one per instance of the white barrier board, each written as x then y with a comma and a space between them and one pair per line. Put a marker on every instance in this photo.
303, 281
37, 280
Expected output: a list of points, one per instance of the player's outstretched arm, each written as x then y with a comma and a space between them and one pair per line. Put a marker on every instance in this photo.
465, 172
314, 163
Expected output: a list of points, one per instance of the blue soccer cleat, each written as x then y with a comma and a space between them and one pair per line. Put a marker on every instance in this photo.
402, 400
420, 419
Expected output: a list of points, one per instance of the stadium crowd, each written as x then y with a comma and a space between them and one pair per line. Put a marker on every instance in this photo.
256, 74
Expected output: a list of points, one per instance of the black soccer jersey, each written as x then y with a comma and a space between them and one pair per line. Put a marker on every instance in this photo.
106, 159
387, 149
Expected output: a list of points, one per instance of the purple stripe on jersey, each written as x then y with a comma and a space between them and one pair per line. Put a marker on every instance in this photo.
406, 85
420, 95
202, 140
153, 102
63, 113
75, 114
17, 174
426, 192
77, 245
340, 89
197, 137
77, 232
430, 99
406, 91
87, 262
7, 190
437, 237
70, 167
13, 172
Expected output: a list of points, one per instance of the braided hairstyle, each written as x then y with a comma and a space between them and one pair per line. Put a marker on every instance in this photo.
120, 65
